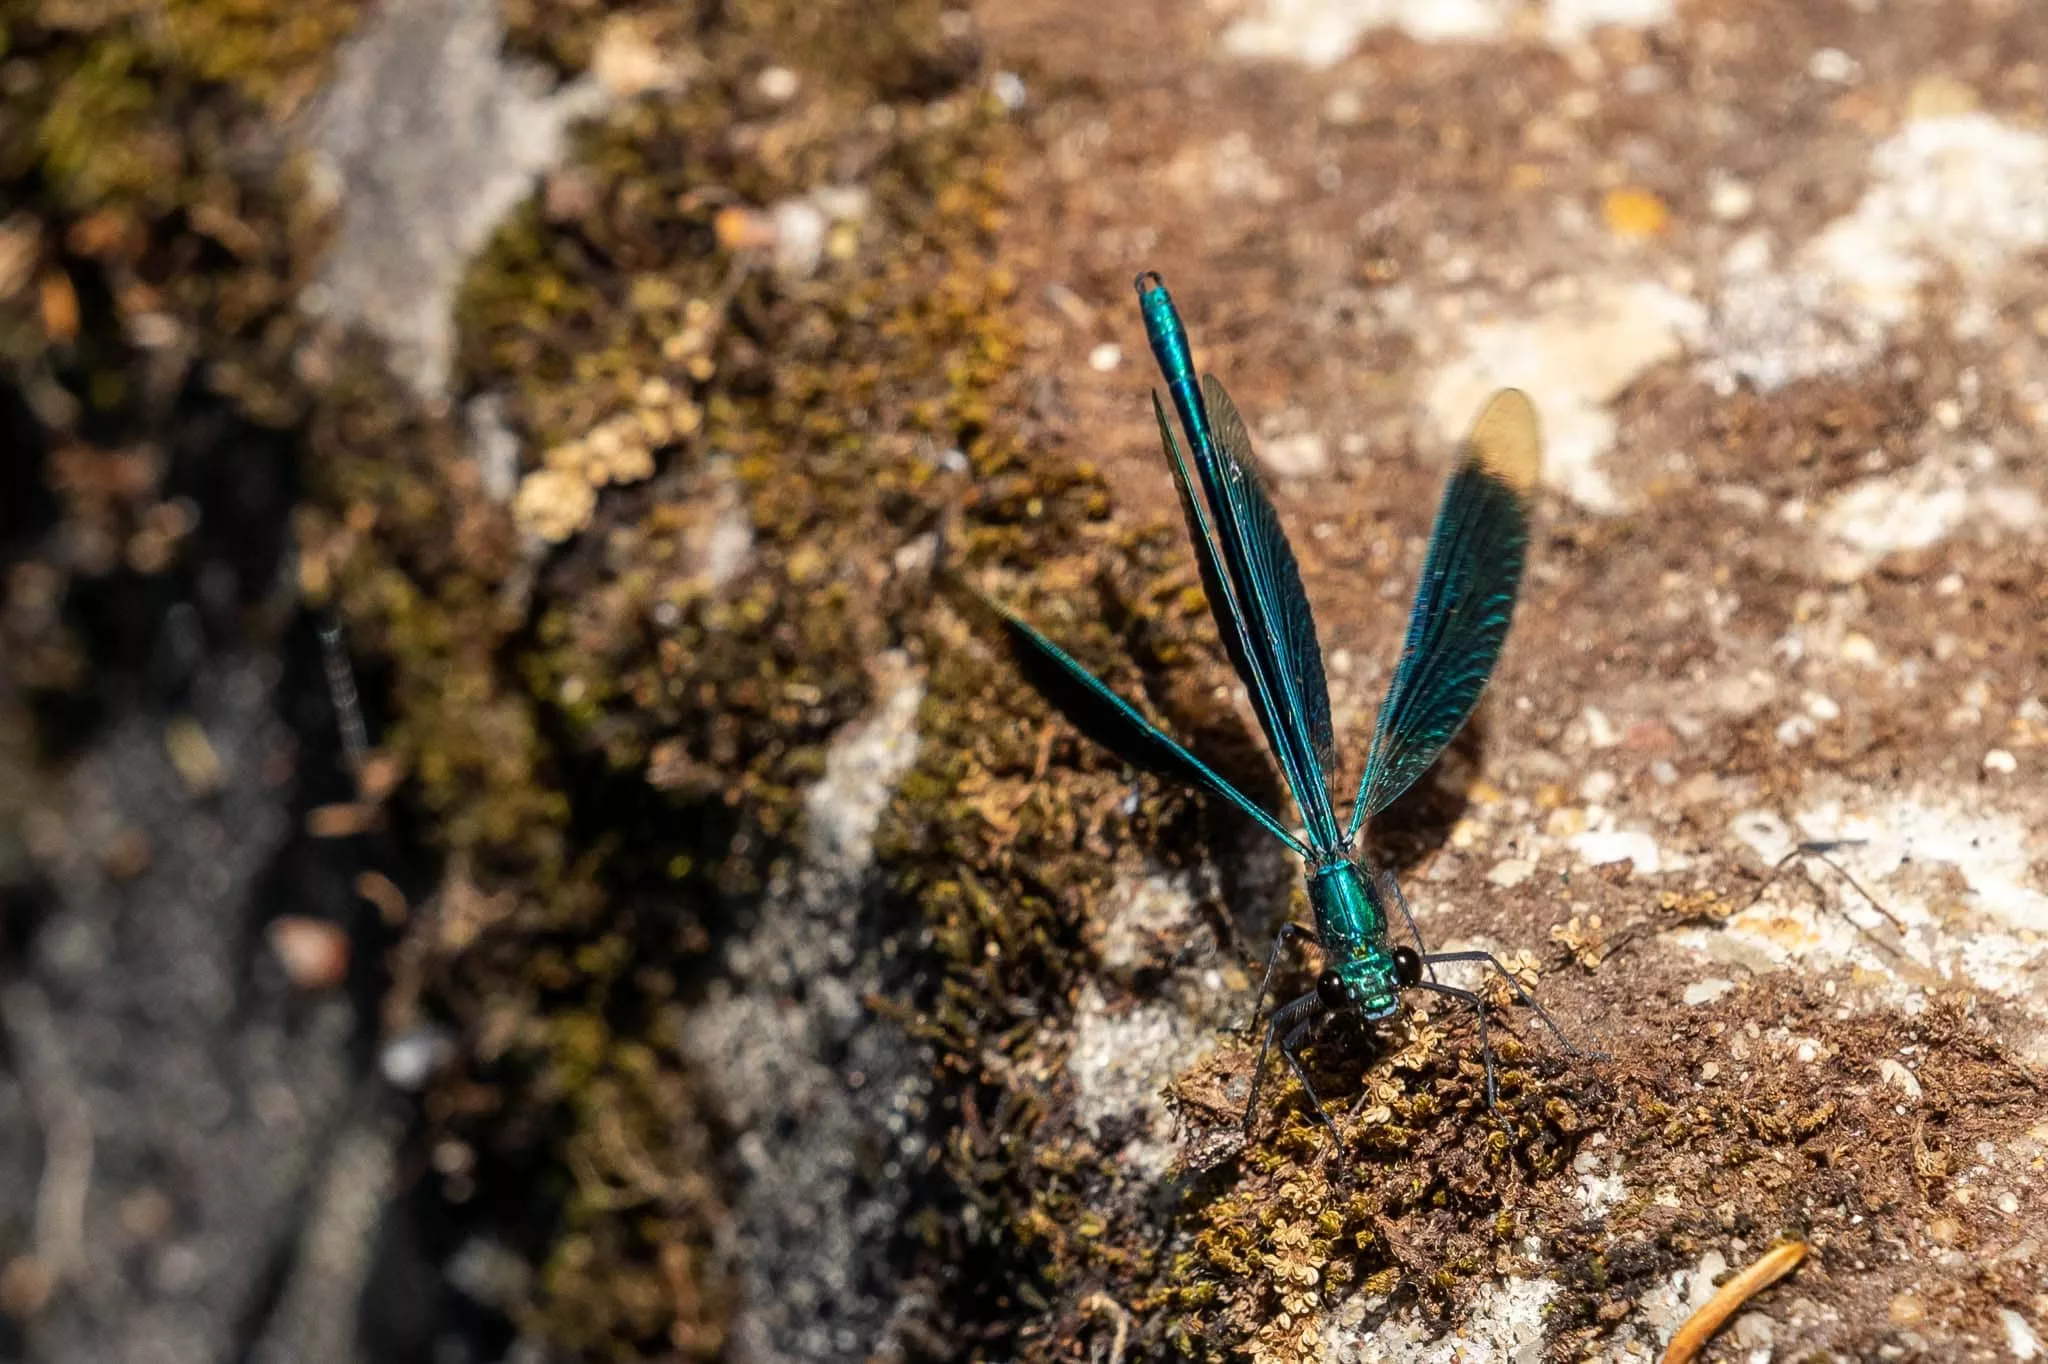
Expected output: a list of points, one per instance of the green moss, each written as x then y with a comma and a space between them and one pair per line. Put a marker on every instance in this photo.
533, 724
114, 110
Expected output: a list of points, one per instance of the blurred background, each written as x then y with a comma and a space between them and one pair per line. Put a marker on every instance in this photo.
508, 852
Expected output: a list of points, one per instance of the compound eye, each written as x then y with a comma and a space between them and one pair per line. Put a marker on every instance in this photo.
1330, 989
1407, 966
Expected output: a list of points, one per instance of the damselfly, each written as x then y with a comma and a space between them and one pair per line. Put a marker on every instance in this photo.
1470, 576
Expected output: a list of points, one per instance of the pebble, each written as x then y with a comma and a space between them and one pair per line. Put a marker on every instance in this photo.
1565, 823
1731, 200
1834, 66
742, 229
2019, 1337
1008, 88
1753, 1331
1634, 212
777, 83
1895, 1074
1940, 96
1600, 731
192, 755
625, 64
313, 952
1605, 847
1650, 736
799, 237
843, 203
1795, 731
410, 1059
1105, 357
1999, 760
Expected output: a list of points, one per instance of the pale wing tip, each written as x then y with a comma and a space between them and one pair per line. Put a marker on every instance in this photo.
1506, 442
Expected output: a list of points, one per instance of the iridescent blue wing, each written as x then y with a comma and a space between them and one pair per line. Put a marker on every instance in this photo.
1462, 605
1276, 579
1249, 571
1230, 621
1115, 723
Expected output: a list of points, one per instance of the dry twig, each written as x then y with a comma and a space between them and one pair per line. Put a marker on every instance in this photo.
1692, 1337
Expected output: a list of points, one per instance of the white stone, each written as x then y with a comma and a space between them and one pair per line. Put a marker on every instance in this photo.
2019, 1336
1706, 991
1731, 200
1504, 1325
799, 237
1510, 872
1895, 1074
1598, 848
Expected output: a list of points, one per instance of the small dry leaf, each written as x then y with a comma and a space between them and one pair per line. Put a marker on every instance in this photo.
1584, 938
343, 820
381, 891
60, 309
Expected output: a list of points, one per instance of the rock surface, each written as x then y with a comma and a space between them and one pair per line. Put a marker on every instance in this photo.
783, 980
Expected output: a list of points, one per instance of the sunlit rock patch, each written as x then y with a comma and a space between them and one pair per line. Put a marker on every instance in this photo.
418, 197
1503, 1325
1950, 896
1579, 343
1121, 1063
1323, 32
1958, 195
793, 1059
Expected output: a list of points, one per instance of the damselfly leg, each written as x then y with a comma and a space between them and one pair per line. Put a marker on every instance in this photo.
1291, 1025
1289, 933
1522, 995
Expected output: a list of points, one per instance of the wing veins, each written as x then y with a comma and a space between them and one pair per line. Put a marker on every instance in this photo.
1114, 723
